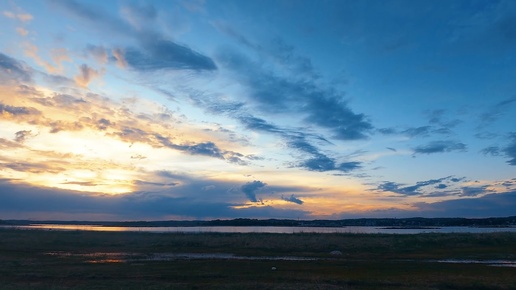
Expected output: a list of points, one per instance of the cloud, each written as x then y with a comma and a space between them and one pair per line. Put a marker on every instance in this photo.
417, 131
85, 76
274, 94
490, 205
491, 150
250, 189
119, 55
474, 190
58, 55
323, 163
13, 111
139, 15
13, 70
160, 54
292, 199
205, 149
93, 15
276, 50
497, 111
389, 186
155, 51
23, 17
22, 31
98, 52
440, 147
297, 140
21, 136
7, 144
510, 150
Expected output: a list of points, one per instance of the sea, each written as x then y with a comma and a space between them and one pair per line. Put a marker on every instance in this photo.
265, 229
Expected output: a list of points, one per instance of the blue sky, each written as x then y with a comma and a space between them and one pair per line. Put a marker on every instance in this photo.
131, 110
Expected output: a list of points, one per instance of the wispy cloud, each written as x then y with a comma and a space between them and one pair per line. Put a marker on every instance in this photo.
440, 147
318, 106
162, 54
155, 51
410, 190
510, 150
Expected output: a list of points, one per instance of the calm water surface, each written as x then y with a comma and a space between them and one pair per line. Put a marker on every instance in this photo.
279, 230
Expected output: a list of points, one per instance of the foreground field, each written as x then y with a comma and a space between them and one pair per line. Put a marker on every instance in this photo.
110, 260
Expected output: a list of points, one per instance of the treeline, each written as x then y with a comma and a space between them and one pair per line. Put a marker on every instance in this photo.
244, 222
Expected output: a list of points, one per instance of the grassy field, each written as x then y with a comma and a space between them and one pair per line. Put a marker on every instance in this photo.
31, 259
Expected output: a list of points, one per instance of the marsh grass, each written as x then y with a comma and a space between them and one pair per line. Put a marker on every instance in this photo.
368, 261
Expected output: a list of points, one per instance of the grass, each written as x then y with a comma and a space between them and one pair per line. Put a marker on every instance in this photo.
368, 261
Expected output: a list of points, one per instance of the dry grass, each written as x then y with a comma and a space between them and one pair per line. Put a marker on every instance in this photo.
367, 261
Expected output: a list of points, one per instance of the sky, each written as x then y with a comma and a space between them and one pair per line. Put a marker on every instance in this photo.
159, 110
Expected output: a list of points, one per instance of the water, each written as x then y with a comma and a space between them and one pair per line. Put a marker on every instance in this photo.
278, 230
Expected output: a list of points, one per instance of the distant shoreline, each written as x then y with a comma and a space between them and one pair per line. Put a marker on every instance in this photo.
396, 223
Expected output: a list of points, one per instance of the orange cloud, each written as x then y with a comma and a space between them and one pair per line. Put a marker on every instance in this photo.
58, 56
85, 76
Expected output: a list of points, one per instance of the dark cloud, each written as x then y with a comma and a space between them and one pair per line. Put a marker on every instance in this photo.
440, 147
155, 53
510, 150
172, 194
103, 124
496, 111
323, 163
417, 131
277, 50
292, 199
319, 162
387, 131
161, 54
298, 141
474, 191
250, 189
205, 148
491, 150
159, 184
13, 70
21, 136
257, 124
17, 111
414, 189
322, 107
490, 205
329, 111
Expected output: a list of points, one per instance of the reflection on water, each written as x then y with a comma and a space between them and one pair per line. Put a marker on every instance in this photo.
279, 230
496, 263
121, 257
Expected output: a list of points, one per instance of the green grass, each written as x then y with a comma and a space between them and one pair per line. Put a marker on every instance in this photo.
368, 261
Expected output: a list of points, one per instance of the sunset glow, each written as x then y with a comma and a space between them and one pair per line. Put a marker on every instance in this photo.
129, 110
